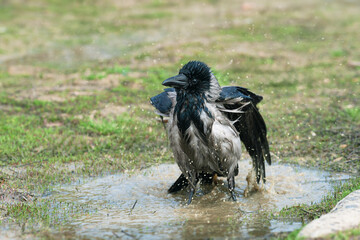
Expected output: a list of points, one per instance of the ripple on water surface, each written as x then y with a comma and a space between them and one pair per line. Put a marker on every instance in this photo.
158, 214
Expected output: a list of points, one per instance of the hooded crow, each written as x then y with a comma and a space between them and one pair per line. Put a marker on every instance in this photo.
206, 125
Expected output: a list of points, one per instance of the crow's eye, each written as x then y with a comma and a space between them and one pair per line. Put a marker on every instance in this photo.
194, 81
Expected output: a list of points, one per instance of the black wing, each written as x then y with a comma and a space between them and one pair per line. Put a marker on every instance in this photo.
228, 93
240, 107
182, 182
162, 102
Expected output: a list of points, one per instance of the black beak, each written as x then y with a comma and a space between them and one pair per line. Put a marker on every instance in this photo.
177, 81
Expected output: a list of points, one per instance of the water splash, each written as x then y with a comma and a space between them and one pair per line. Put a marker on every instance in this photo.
158, 214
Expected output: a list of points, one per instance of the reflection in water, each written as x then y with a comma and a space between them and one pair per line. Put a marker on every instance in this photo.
157, 214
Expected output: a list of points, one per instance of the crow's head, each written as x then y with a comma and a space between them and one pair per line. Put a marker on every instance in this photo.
194, 76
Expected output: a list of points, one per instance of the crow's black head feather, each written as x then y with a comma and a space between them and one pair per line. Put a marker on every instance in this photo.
198, 74
196, 69
191, 98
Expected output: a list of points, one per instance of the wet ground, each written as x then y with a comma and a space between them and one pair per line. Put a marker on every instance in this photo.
136, 204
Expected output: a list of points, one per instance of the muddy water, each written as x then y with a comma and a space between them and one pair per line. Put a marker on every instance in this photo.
136, 204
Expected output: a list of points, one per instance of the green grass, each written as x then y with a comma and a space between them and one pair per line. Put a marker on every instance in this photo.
96, 76
152, 15
46, 213
353, 113
349, 234
118, 70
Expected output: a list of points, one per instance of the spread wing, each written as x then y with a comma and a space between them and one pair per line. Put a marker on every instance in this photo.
163, 102
239, 104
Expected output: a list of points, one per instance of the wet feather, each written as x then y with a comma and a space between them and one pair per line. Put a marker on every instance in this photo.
206, 124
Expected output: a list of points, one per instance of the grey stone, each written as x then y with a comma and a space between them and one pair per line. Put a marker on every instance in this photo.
344, 216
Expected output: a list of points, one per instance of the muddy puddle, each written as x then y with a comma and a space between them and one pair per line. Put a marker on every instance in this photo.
136, 205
